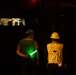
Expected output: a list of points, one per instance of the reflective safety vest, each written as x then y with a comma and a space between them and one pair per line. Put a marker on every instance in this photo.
55, 53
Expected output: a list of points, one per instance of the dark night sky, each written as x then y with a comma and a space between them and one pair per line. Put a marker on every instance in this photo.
10, 36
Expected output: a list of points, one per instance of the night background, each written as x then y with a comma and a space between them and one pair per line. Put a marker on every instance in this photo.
43, 17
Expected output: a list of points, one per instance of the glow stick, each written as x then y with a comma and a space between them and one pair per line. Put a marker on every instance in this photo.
33, 52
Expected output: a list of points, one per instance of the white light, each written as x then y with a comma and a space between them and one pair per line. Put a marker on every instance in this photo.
33, 52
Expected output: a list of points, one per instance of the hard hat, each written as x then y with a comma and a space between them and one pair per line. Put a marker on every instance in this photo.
30, 32
55, 35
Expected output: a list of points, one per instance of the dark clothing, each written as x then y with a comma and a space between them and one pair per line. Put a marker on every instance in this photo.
54, 69
29, 67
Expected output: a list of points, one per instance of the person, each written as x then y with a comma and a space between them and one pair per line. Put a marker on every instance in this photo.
28, 50
55, 56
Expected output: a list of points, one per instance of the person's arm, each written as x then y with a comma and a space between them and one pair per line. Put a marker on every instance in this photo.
18, 52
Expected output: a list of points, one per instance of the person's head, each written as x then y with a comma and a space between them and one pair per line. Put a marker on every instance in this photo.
30, 33
55, 36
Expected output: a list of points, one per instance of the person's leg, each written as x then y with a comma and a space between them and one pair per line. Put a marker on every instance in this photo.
51, 69
54, 69
23, 68
35, 68
58, 70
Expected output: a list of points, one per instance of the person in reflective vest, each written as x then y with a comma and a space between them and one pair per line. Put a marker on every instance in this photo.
28, 50
54, 55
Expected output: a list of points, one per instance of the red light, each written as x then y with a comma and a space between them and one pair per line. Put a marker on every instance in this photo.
33, 1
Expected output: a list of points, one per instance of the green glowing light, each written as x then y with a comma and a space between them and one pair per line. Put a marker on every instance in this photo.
33, 52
